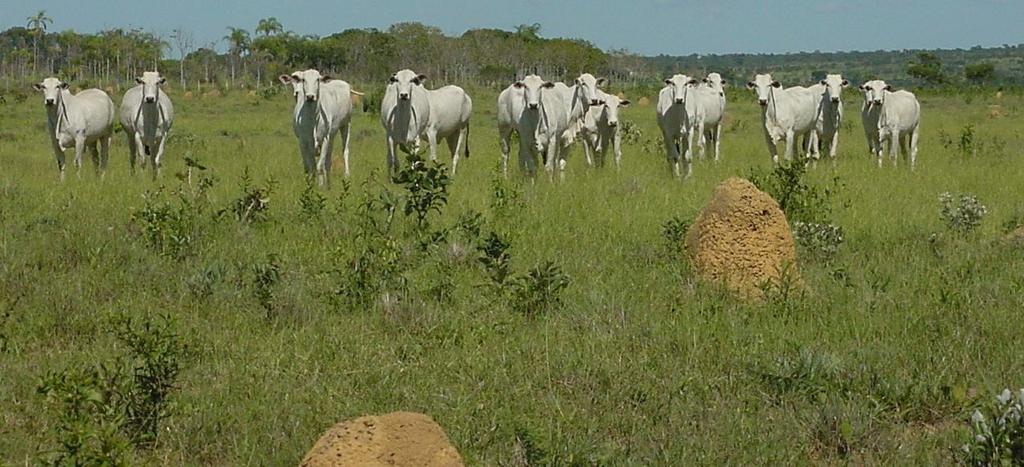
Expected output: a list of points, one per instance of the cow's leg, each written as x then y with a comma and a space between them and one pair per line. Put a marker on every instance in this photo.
323, 169
527, 157
58, 153
671, 152
913, 146
894, 147
104, 152
346, 131
504, 136
94, 154
617, 147
718, 141
833, 149
133, 151
158, 159
79, 151
587, 147
773, 150
308, 149
701, 141
432, 140
141, 151
392, 157
790, 136
455, 143
690, 135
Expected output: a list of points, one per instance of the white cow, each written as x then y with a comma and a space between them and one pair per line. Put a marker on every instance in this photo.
600, 129
711, 95
450, 109
785, 114
323, 107
577, 99
405, 114
83, 120
147, 116
869, 114
511, 103
830, 112
542, 123
899, 120
678, 113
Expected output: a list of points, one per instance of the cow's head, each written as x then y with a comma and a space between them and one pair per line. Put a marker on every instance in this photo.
763, 85
874, 91
714, 81
305, 84
51, 88
532, 87
679, 84
587, 84
404, 81
151, 82
610, 108
834, 85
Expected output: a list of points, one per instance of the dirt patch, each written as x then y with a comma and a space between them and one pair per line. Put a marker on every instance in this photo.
1016, 236
644, 102
742, 239
995, 111
188, 94
395, 439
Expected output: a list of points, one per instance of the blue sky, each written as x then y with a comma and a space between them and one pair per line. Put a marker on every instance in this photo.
643, 26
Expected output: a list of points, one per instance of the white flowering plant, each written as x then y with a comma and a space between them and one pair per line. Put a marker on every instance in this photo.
997, 435
962, 213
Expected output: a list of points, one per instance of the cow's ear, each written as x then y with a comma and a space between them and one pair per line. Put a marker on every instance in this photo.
750, 85
393, 79
421, 78
63, 85
38, 87
325, 79
518, 85
845, 83
138, 81
823, 83
776, 84
705, 80
863, 87
888, 87
578, 82
548, 85
668, 81
285, 79
692, 82
724, 82
162, 80
602, 81
624, 103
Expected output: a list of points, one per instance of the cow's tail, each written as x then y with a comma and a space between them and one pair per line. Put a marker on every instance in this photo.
467, 141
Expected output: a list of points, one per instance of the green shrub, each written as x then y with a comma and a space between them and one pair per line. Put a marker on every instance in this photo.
962, 213
997, 432
538, 290
801, 200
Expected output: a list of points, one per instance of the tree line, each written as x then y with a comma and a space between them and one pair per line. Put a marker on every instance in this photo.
484, 57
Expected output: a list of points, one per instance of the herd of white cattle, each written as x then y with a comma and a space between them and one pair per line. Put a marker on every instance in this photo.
547, 116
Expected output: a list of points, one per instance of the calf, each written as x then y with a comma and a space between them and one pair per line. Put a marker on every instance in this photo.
600, 129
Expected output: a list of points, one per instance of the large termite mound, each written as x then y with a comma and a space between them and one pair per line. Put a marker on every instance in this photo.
741, 239
395, 439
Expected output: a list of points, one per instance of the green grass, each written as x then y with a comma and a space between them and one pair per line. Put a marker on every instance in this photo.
640, 364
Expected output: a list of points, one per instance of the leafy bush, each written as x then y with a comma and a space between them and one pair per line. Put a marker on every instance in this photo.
962, 213
673, 231
538, 290
265, 276
171, 227
426, 184
998, 432
253, 205
104, 410
495, 259
821, 240
798, 198
311, 202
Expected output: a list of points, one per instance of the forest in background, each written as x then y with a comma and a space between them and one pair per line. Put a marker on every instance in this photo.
482, 57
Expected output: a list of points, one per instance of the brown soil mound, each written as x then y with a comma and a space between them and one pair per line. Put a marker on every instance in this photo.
742, 239
995, 111
1016, 236
395, 439
644, 102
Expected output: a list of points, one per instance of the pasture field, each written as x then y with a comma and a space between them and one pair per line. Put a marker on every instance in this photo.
880, 360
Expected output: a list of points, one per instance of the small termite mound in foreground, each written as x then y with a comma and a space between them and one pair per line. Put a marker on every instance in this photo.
394, 439
742, 240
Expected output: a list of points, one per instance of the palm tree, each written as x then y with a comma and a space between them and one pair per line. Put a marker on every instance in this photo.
238, 44
37, 24
269, 26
